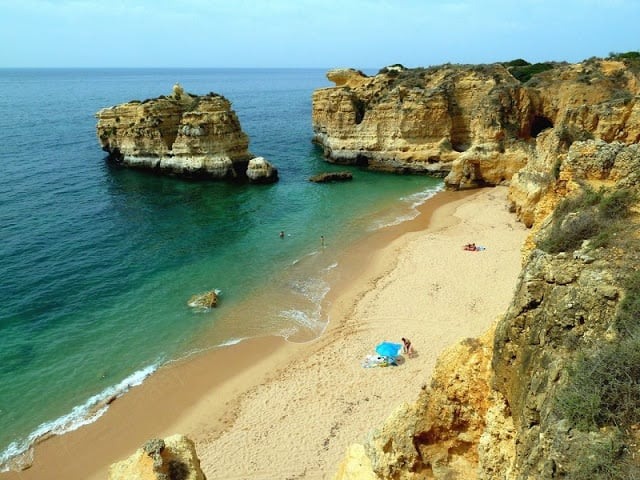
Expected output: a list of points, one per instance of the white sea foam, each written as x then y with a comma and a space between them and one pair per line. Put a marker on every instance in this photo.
300, 318
307, 315
307, 320
331, 267
313, 289
231, 341
19, 453
413, 201
310, 254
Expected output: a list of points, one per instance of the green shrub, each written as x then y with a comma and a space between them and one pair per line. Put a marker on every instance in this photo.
604, 387
193, 106
604, 459
524, 72
518, 62
592, 215
392, 70
628, 316
630, 59
616, 205
632, 55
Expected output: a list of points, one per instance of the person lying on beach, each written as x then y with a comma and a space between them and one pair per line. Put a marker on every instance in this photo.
472, 247
407, 347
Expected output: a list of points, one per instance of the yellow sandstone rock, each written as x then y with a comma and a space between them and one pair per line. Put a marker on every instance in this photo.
475, 125
173, 457
180, 134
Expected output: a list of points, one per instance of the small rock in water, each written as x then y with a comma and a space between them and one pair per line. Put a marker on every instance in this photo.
204, 300
331, 177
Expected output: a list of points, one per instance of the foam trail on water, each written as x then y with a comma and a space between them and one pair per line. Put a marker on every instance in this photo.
231, 341
414, 201
313, 291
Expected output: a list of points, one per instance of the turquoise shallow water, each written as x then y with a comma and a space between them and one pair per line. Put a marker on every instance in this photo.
97, 262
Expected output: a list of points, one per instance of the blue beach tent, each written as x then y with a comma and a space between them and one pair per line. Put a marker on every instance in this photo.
388, 349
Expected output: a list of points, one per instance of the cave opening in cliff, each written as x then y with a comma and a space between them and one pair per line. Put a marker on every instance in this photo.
362, 161
539, 124
360, 109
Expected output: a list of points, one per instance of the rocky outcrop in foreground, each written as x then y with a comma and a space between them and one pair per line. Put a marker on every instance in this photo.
554, 393
475, 125
173, 458
184, 135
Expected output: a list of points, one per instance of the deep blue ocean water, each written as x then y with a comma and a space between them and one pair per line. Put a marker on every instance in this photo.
97, 262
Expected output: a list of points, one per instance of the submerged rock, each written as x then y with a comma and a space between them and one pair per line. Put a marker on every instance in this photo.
331, 177
204, 300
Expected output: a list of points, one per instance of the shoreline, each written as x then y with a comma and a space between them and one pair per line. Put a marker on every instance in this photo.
212, 405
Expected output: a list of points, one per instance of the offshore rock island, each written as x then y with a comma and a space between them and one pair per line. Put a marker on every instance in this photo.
551, 389
184, 135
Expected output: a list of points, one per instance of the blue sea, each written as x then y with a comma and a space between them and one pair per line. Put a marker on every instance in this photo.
97, 262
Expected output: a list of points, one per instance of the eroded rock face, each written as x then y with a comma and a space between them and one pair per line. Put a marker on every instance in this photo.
180, 134
261, 171
436, 436
564, 306
173, 458
493, 409
476, 125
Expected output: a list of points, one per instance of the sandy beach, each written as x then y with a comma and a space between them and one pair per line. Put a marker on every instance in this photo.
283, 410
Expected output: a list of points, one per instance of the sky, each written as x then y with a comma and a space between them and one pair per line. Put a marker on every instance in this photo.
363, 34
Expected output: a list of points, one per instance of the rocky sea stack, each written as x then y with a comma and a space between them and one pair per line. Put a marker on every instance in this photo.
182, 134
552, 390
475, 125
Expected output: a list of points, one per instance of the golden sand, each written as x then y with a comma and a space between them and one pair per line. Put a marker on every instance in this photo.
283, 410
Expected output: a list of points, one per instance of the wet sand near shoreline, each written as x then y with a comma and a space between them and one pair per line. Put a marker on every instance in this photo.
279, 409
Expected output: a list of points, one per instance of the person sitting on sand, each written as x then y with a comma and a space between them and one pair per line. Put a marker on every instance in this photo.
407, 347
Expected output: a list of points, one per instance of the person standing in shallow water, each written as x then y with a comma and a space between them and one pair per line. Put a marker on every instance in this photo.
322, 241
281, 233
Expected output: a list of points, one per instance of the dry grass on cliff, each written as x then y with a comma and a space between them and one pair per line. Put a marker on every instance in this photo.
601, 399
596, 216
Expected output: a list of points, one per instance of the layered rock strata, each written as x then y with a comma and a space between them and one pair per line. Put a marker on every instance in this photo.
475, 125
182, 134
434, 437
557, 389
511, 404
160, 459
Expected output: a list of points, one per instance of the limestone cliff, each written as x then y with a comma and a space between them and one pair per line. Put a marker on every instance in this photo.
436, 436
173, 458
181, 134
555, 391
476, 125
